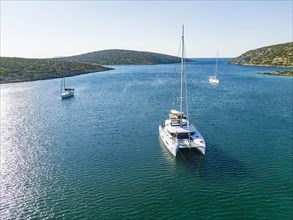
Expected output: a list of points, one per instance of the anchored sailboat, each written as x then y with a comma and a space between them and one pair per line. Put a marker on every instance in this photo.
176, 131
66, 92
213, 79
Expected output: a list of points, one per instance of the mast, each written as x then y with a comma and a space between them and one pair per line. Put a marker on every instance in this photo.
181, 73
216, 65
64, 82
63, 78
61, 84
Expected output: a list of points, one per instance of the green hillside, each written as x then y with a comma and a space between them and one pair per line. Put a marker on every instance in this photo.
21, 69
275, 55
118, 57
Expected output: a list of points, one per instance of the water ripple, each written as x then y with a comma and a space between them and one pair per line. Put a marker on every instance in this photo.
98, 155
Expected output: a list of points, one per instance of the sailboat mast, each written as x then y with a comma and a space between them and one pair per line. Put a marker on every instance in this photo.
64, 83
63, 78
216, 65
181, 73
61, 84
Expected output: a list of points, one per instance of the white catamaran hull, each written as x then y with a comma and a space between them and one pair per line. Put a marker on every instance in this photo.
173, 144
168, 141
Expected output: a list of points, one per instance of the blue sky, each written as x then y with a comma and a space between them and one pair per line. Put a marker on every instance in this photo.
42, 29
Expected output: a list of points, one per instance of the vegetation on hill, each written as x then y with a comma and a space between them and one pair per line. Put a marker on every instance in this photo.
275, 55
118, 57
21, 69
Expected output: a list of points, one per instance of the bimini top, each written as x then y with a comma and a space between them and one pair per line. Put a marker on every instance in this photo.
173, 126
174, 114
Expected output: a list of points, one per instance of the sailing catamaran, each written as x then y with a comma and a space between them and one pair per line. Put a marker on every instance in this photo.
66, 92
213, 79
176, 131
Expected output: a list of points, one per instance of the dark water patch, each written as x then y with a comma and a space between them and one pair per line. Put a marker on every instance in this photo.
214, 165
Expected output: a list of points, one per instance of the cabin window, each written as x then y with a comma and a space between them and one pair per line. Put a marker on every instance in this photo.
172, 134
184, 135
175, 122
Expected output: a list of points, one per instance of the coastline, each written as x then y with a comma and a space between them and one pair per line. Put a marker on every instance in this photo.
8, 81
279, 73
15, 69
8, 78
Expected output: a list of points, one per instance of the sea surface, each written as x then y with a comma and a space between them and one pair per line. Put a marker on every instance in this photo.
98, 155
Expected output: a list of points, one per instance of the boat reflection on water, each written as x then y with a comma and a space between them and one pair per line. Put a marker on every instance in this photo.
191, 158
167, 154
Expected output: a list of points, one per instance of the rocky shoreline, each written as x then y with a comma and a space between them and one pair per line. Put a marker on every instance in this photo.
279, 73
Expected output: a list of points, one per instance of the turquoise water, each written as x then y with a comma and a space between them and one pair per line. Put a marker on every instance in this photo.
98, 155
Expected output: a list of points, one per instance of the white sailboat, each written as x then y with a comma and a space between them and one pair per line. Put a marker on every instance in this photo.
66, 92
213, 79
176, 132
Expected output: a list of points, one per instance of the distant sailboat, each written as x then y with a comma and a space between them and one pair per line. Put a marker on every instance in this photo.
65, 92
176, 131
213, 79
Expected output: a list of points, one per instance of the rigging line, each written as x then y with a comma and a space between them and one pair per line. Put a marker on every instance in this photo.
216, 65
61, 84
186, 94
175, 72
181, 77
64, 75
179, 49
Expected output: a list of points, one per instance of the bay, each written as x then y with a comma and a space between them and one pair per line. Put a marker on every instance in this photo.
98, 154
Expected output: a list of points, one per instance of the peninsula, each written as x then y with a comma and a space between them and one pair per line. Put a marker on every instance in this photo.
280, 55
14, 69
22, 69
122, 57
